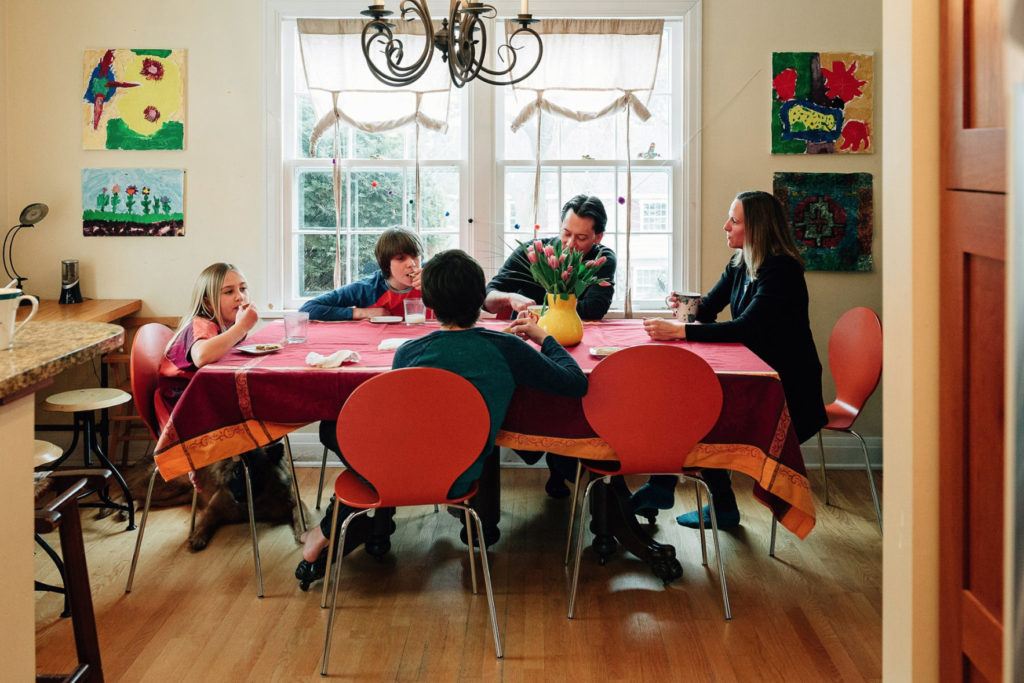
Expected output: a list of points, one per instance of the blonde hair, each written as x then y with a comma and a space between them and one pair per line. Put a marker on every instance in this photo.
205, 300
765, 232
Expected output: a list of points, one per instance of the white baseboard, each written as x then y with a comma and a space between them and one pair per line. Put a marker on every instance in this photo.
841, 452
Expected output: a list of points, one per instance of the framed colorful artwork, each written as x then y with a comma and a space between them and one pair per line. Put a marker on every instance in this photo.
822, 103
133, 99
133, 202
832, 217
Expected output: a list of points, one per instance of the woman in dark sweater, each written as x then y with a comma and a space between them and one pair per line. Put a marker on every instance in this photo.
764, 287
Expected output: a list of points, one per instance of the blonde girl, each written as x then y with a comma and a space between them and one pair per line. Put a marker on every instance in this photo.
219, 317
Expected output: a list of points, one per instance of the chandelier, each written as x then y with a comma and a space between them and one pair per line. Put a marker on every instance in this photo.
461, 40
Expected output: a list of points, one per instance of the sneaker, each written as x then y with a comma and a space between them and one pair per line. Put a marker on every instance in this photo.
650, 498
727, 519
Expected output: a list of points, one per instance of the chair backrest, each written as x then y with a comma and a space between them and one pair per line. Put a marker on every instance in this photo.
147, 351
411, 432
652, 404
855, 356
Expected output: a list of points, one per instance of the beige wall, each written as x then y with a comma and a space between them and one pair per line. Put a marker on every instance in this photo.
739, 38
4, 161
223, 159
910, 545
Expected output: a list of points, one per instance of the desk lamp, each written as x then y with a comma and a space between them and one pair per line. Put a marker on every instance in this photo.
30, 215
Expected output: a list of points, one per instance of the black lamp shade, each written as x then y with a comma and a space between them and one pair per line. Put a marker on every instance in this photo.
33, 213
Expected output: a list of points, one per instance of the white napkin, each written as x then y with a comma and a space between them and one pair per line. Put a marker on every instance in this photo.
316, 360
391, 344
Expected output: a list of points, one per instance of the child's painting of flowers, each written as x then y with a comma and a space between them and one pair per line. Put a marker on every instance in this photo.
822, 103
133, 99
133, 202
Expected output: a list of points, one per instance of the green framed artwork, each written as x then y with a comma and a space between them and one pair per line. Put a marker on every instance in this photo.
133, 99
822, 103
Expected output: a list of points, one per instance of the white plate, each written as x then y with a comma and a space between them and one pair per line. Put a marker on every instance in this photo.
603, 351
386, 319
259, 349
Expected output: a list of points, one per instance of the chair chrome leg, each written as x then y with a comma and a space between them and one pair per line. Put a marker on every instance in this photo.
572, 510
771, 548
824, 476
871, 478
487, 579
295, 482
252, 528
718, 550
579, 544
142, 529
320, 488
336, 579
330, 554
469, 538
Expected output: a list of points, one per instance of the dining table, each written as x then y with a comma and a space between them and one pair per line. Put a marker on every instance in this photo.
253, 396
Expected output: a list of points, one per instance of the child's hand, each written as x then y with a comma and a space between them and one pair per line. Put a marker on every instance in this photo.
247, 317
367, 313
526, 327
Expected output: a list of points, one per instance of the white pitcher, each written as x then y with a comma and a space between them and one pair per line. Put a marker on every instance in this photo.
10, 298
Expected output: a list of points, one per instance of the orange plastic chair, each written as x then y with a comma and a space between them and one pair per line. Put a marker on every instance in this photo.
855, 359
652, 404
412, 461
147, 351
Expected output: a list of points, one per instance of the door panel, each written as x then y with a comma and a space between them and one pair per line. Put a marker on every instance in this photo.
973, 107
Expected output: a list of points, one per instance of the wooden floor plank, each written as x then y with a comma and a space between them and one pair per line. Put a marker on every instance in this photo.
811, 614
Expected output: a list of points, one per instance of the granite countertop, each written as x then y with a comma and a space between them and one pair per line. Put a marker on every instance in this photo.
44, 349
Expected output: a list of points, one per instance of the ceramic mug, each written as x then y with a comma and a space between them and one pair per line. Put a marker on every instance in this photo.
686, 310
10, 298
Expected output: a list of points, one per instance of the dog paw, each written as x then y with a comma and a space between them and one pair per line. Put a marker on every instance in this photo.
198, 541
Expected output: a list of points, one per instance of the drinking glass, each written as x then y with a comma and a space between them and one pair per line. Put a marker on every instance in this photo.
296, 326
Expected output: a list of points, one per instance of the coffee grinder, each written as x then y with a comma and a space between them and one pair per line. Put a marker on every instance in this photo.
69, 290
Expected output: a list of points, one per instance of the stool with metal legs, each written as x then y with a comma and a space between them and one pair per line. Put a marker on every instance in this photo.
83, 403
44, 453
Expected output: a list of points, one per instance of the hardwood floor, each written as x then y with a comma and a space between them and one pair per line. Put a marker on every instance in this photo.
811, 614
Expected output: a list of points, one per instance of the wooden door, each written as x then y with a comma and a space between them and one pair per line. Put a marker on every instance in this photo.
971, 351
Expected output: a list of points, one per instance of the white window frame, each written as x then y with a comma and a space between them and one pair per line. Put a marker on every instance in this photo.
481, 232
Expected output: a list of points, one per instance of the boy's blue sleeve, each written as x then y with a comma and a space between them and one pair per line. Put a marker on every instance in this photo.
338, 304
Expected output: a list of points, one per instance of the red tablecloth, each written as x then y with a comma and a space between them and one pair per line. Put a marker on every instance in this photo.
245, 401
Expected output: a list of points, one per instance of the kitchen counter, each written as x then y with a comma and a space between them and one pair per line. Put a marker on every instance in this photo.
41, 350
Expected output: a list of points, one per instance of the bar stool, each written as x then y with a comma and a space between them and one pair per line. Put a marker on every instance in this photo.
44, 453
83, 403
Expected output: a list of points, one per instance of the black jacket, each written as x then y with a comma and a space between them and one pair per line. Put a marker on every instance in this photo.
769, 316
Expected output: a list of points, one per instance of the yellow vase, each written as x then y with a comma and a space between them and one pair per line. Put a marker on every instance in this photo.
562, 321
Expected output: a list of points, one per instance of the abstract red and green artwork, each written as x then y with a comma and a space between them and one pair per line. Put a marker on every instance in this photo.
822, 103
133, 202
133, 99
832, 217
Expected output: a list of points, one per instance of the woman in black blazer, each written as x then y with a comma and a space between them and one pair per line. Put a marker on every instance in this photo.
764, 286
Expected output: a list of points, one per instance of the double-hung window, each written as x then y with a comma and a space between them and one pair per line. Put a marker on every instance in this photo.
476, 180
